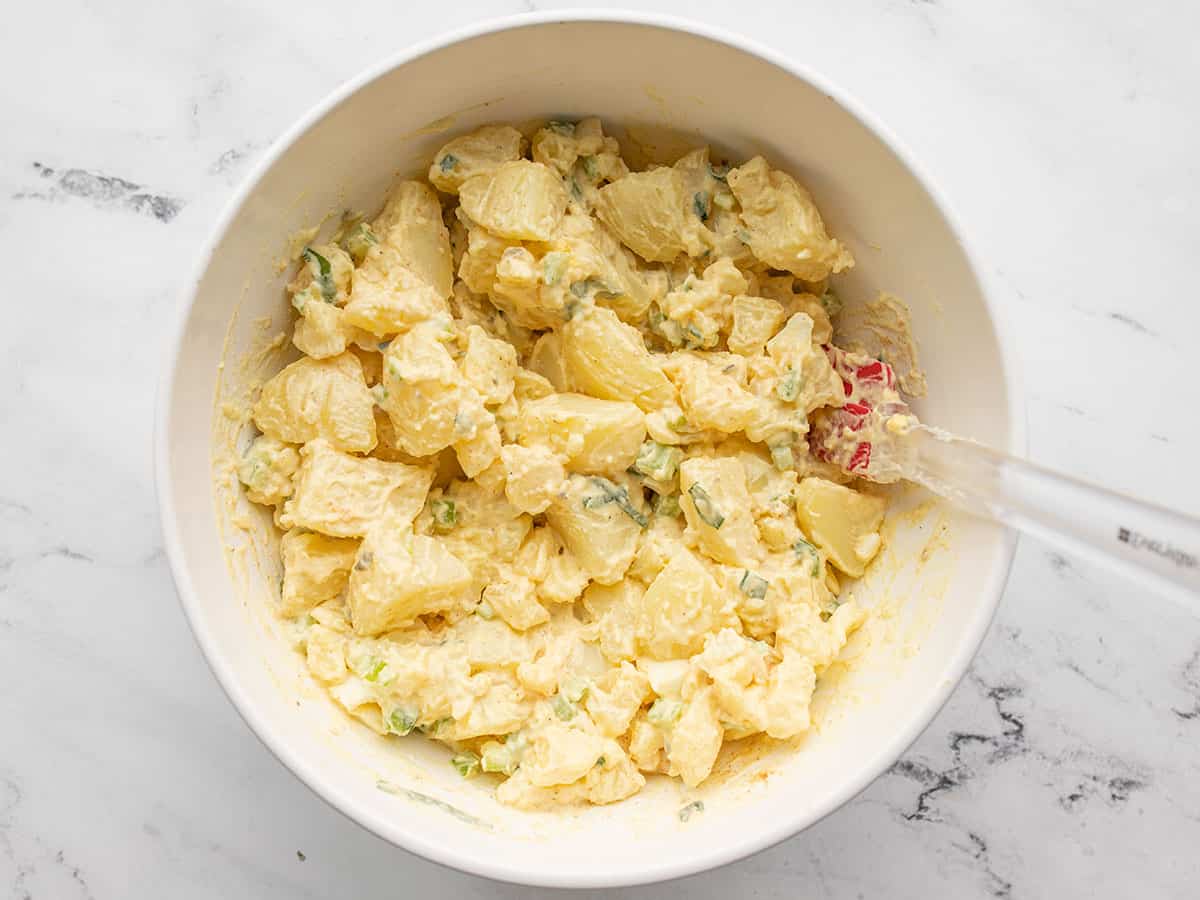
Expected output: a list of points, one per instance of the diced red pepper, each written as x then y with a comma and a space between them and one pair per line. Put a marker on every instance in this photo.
860, 459
872, 371
876, 371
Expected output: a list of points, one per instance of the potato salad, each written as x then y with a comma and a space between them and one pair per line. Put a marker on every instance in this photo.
542, 471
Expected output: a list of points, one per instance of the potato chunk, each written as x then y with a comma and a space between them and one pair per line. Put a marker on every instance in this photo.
697, 311
411, 227
806, 376
477, 453
718, 508
710, 398
560, 754
789, 695
341, 495
266, 470
489, 366
646, 210
424, 394
487, 533
600, 520
314, 398
606, 358
479, 153
519, 200
696, 739
547, 360
560, 144
755, 320
514, 599
389, 297
841, 521
594, 436
520, 290
613, 608
322, 330
785, 229
399, 576
316, 568
680, 607
533, 476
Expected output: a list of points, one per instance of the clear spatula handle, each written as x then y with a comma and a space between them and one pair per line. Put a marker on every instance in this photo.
1103, 526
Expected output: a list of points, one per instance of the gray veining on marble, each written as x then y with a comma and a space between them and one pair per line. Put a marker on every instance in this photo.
1065, 133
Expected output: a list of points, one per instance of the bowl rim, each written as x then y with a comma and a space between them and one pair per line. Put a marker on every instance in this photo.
395, 830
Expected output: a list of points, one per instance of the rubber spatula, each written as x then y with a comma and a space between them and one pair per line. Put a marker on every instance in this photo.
875, 436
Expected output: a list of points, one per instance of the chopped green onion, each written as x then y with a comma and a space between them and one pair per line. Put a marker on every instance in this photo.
364, 561
485, 611
742, 235
664, 711
377, 667
434, 728
467, 764
576, 191
563, 128
806, 551
612, 493
667, 505
401, 721
323, 274
753, 586
250, 470
705, 508
497, 759
553, 266
695, 336
700, 205
574, 688
781, 456
503, 758
829, 605
718, 171
581, 288
563, 708
359, 241
590, 168
831, 302
660, 324
448, 162
445, 514
788, 387
571, 310
658, 461
696, 806
600, 760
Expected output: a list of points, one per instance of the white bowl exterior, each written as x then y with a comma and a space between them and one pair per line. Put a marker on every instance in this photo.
626, 69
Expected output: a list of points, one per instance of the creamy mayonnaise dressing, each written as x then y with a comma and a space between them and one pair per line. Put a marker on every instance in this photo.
542, 472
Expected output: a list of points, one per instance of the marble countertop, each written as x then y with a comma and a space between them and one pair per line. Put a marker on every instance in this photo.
1065, 764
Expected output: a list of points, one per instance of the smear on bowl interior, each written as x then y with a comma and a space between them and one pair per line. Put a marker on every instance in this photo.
541, 471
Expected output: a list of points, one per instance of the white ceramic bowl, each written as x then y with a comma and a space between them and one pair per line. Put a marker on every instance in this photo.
638, 73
